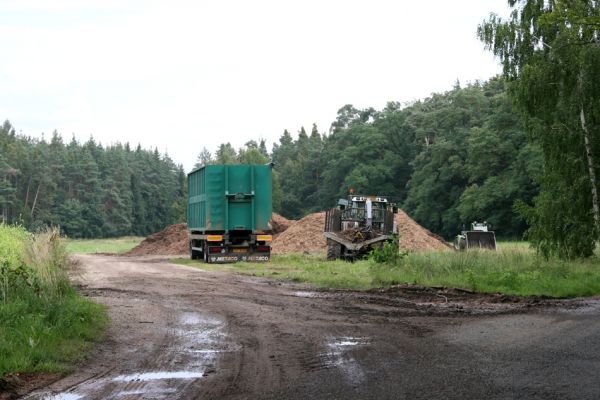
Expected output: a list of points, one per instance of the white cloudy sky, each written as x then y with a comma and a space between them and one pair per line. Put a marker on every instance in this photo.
180, 75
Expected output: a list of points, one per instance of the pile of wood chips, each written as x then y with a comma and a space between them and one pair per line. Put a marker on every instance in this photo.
306, 236
414, 237
303, 236
172, 240
279, 224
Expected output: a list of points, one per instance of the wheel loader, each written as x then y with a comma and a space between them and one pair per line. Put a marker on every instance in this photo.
479, 237
358, 225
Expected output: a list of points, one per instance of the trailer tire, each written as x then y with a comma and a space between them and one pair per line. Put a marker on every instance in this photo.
194, 254
206, 259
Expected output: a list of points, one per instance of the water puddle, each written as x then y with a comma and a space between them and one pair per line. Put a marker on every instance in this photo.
310, 295
194, 343
151, 376
337, 355
63, 396
141, 392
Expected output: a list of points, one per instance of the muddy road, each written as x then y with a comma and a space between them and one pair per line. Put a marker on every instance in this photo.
182, 333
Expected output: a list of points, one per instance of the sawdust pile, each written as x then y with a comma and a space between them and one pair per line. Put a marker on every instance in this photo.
170, 241
279, 224
415, 237
306, 236
303, 236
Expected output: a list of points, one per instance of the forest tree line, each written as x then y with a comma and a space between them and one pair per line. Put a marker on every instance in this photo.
88, 190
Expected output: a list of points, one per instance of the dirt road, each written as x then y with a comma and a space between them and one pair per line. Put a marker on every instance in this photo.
183, 333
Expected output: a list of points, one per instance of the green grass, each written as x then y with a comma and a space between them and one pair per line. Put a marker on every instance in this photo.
111, 245
514, 269
45, 325
47, 335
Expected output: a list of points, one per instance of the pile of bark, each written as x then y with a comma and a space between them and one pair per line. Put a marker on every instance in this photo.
172, 240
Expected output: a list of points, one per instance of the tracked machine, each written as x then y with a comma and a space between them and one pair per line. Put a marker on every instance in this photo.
479, 237
358, 225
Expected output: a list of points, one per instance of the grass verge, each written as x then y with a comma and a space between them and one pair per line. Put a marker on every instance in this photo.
45, 325
110, 245
510, 271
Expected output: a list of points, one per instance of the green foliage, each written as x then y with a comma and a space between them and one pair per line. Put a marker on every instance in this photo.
86, 189
44, 323
448, 160
389, 253
550, 55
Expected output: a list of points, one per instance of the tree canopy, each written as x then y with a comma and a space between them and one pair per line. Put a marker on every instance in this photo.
550, 51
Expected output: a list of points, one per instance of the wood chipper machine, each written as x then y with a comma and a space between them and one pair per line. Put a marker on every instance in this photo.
479, 237
358, 225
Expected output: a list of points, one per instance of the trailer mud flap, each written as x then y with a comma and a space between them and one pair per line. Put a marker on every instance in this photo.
233, 257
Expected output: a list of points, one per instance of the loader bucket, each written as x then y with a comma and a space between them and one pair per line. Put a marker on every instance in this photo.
481, 240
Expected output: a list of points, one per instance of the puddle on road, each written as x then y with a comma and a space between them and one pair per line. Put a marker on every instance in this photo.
151, 376
194, 345
63, 396
310, 295
337, 356
141, 392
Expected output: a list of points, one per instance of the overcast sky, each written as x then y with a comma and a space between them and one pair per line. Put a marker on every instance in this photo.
179, 75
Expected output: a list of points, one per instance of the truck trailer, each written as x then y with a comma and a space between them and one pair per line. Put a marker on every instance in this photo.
229, 209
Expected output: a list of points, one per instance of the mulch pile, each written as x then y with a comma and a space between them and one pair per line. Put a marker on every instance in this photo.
416, 238
279, 224
172, 240
303, 236
306, 236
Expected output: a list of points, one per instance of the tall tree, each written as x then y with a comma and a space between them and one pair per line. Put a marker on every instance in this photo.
550, 51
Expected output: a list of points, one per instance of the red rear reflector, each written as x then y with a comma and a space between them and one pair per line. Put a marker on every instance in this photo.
214, 249
263, 249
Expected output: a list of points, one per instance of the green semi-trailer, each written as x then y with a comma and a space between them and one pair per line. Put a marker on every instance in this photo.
229, 209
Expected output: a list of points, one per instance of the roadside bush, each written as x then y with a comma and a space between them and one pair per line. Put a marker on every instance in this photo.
44, 323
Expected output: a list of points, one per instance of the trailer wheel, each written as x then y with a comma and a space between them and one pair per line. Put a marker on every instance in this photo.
194, 254
334, 250
205, 253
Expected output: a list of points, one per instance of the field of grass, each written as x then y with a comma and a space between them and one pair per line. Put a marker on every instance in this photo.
110, 245
45, 325
514, 269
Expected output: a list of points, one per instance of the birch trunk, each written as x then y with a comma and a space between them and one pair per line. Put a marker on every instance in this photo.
35, 199
592, 173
